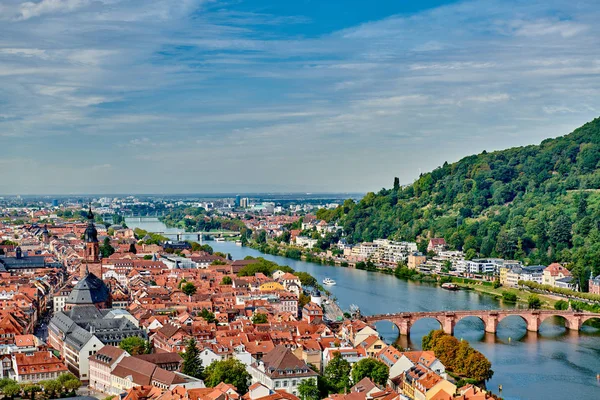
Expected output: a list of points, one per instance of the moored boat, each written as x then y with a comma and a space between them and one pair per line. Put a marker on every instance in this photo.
328, 282
450, 286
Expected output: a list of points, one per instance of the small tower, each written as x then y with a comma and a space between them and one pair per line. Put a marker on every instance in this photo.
315, 297
45, 234
92, 248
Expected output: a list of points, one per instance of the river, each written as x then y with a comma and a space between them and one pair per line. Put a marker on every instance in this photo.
553, 364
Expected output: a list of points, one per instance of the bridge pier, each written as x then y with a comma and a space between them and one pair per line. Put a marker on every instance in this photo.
448, 324
533, 322
491, 323
573, 322
404, 325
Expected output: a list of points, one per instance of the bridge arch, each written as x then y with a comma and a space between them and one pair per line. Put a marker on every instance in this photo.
504, 321
388, 324
471, 318
590, 321
565, 321
424, 319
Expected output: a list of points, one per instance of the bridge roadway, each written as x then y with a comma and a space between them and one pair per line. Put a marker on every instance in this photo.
199, 235
490, 318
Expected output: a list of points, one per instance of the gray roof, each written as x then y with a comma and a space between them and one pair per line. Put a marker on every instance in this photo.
24, 262
80, 323
78, 337
89, 290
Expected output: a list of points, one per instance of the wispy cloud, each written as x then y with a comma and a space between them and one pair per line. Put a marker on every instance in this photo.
143, 86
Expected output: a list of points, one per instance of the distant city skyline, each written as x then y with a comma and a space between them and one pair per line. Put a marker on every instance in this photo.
198, 96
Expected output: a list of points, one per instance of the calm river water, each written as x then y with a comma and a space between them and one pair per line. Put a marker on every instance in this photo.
552, 364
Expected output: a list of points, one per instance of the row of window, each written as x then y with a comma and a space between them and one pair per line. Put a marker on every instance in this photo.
284, 383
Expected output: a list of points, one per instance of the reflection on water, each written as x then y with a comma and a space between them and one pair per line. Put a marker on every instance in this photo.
555, 363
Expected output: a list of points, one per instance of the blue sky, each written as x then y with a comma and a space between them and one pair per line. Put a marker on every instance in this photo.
105, 96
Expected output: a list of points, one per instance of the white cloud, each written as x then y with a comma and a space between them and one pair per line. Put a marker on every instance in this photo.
32, 9
136, 79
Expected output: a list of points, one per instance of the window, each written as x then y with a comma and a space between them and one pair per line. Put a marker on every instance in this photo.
294, 383
285, 383
277, 384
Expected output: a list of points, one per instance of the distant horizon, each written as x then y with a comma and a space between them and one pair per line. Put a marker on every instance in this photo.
209, 194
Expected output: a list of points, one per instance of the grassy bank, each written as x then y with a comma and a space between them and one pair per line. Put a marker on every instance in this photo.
522, 295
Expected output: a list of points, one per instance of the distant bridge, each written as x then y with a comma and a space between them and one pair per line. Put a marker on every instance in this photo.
448, 319
199, 235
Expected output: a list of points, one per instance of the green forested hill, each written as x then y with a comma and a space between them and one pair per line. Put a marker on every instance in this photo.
536, 203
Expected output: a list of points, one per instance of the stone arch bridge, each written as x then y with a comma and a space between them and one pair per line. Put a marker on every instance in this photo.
448, 319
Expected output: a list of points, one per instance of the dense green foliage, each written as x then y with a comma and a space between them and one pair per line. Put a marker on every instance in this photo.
192, 364
197, 219
260, 318
509, 297
308, 390
188, 288
226, 280
230, 371
337, 374
534, 302
208, 316
561, 291
135, 345
263, 266
458, 356
152, 238
540, 204
374, 369
106, 248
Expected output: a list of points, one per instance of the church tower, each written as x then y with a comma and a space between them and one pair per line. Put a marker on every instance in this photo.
92, 248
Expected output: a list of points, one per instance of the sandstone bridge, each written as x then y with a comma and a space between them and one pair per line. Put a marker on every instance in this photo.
448, 319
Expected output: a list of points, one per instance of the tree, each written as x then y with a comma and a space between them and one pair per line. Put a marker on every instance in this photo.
135, 345
561, 305
478, 367
534, 302
208, 316
337, 373
67, 376
106, 249
230, 371
259, 318
192, 364
51, 387
189, 288
308, 390
428, 341
374, 369
132, 248
509, 297
560, 230
72, 385
226, 280
31, 389
306, 279
396, 184
303, 300
11, 389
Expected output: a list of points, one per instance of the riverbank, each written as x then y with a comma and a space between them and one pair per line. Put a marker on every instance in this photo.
483, 287
522, 295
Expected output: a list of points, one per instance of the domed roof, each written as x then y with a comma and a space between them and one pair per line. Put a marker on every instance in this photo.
89, 290
91, 234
